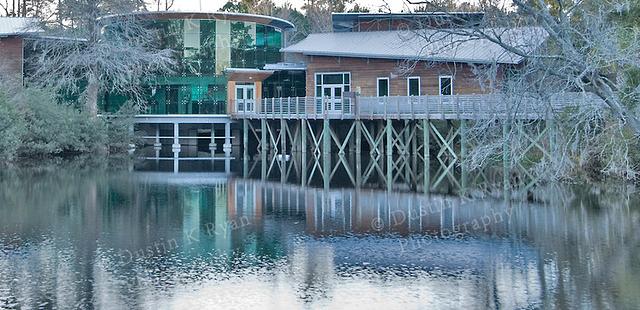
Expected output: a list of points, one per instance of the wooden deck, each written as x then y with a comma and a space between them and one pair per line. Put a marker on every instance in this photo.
459, 107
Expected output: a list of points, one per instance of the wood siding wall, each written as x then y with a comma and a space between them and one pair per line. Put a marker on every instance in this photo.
365, 72
11, 57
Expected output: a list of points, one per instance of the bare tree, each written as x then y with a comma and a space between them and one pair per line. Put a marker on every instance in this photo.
165, 5
26, 8
585, 50
105, 54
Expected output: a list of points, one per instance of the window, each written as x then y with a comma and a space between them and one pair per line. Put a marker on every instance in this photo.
413, 86
334, 79
383, 87
446, 86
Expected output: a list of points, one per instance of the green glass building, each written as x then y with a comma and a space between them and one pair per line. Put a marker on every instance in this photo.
207, 47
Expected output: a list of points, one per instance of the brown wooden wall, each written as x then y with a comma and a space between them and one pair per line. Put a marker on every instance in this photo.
11, 57
364, 74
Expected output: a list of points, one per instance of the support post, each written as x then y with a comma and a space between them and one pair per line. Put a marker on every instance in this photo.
283, 137
176, 147
326, 137
303, 142
263, 136
326, 150
381, 131
245, 139
426, 141
263, 147
358, 153
176, 140
227, 139
212, 144
157, 146
389, 136
463, 154
405, 151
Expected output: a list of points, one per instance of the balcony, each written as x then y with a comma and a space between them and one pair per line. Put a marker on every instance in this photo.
486, 106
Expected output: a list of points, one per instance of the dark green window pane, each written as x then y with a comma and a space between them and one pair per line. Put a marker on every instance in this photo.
383, 87
414, 87
208, 47
446, 86
347, 78
332, 79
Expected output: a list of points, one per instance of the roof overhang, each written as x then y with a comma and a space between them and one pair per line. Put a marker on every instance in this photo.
286, 66
241, 17
19, 26
402, 58
247, 75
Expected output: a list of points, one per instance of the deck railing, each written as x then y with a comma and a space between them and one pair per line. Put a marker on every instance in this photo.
418, 107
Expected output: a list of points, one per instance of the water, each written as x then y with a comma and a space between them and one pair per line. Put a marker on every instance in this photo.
111, 238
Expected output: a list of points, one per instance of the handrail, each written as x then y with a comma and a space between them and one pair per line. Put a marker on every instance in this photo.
481, 106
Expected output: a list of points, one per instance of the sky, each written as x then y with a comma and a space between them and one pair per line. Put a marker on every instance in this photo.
214, 5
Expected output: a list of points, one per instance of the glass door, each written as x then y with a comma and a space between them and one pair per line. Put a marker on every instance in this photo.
332, 96
245, 98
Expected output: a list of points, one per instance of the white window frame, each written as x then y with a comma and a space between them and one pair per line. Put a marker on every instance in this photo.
315, 81
378, 86
440, 84
409, 85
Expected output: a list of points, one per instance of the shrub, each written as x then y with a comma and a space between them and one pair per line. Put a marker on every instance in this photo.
57, 129
11, 128
35, 124
120, 129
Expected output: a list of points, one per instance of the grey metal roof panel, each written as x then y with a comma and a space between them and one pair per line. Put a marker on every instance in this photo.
18, 25
425, 44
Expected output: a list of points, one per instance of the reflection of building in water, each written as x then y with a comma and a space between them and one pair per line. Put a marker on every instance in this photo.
365, 211
538, 257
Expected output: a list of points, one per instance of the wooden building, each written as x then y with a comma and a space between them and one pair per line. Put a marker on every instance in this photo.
403, 61
12, 36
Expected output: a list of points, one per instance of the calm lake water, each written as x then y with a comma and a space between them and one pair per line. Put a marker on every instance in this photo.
120, 238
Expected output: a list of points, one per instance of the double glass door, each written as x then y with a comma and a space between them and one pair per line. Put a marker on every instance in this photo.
245, 98
332, 97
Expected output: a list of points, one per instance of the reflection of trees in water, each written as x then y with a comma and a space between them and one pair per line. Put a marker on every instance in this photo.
583, 236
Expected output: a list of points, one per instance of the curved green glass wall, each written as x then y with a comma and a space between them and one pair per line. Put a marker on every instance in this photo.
204, 48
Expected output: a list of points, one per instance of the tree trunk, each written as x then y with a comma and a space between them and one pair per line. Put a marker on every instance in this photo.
92, 96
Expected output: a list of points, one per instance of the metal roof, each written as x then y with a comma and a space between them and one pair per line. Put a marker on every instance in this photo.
424, 44
18, 25
261, 19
